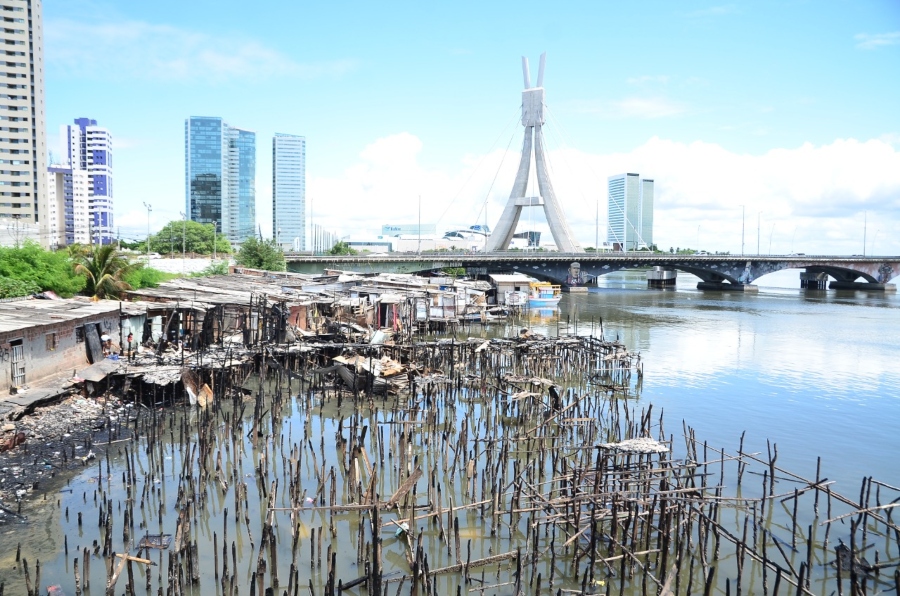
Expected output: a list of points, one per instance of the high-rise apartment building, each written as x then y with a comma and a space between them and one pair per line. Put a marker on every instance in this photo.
630, 218
68, 216
220, 176
88, 148
289, 191
23, 191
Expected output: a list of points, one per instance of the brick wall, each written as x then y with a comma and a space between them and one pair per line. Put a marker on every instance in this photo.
65, 353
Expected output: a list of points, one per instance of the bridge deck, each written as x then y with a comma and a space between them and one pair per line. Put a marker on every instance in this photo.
577, 269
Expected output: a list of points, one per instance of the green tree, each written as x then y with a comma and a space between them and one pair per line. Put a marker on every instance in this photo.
261, 254
105, 271
48, 270
146, 277
342, 248
13, 288
217, 268
198, 238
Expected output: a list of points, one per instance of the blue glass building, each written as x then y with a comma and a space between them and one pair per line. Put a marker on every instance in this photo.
220, 176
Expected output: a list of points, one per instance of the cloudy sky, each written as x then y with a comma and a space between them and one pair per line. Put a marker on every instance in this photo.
778, 119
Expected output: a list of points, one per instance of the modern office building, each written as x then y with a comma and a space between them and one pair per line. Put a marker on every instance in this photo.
630, 223
289, 191
88, 148
220, 176
23, 144
68, 216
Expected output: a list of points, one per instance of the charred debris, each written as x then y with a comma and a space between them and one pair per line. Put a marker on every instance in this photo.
191, 337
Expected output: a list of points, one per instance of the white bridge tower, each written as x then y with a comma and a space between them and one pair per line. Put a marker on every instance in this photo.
533, 121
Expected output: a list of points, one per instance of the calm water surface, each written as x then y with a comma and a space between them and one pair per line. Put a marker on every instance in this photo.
817, 373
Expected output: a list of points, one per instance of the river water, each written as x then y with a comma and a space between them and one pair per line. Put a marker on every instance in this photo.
815, 373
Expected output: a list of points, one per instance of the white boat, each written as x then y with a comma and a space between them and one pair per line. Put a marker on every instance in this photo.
544, 294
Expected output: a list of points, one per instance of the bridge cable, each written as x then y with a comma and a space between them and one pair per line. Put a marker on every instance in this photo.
637, 232
478, 165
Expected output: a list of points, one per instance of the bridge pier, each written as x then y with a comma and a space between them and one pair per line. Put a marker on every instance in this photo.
660, 277
862, 285
718, 286
813, 280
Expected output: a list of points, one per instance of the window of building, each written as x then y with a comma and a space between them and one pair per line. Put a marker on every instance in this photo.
50, 339
79, 335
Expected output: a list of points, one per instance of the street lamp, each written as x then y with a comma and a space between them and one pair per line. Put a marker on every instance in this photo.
757, 231
743, 211
865, 223
149, 209
183, 236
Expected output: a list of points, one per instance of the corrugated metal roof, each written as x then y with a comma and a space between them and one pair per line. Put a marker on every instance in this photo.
24, 314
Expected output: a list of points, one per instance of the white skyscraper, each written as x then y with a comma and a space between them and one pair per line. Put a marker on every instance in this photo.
630, 216
88, 148
68, 213
289, 191
23, 144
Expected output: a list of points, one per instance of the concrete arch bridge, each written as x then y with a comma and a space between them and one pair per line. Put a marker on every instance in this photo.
573, 270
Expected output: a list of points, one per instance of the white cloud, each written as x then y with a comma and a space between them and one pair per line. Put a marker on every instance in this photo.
647, 79
870, 41
630, 107
143, 50
806, 199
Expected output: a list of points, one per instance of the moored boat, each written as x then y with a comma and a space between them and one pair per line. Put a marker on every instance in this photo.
544, 294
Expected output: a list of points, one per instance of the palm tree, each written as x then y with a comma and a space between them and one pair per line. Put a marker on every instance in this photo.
104, 270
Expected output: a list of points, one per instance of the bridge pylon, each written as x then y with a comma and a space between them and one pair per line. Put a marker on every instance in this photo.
533, 146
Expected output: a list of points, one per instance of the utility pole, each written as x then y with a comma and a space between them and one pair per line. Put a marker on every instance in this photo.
419, 251
149, 209
215, 227
757, 231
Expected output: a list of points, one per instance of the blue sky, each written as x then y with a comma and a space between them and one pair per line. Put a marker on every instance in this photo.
789, 109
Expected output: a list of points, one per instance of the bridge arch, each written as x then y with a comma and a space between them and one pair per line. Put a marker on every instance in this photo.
721, 270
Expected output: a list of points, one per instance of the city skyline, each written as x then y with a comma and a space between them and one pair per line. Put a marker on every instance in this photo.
798, 132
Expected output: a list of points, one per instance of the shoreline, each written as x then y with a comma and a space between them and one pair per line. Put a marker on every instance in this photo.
60, 439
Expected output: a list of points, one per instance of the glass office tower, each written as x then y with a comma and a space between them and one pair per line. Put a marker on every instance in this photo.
220, 176
289, 191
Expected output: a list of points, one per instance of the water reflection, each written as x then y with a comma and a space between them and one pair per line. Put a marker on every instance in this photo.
814, 371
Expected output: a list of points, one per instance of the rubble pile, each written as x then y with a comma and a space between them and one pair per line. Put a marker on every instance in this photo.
53, 439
